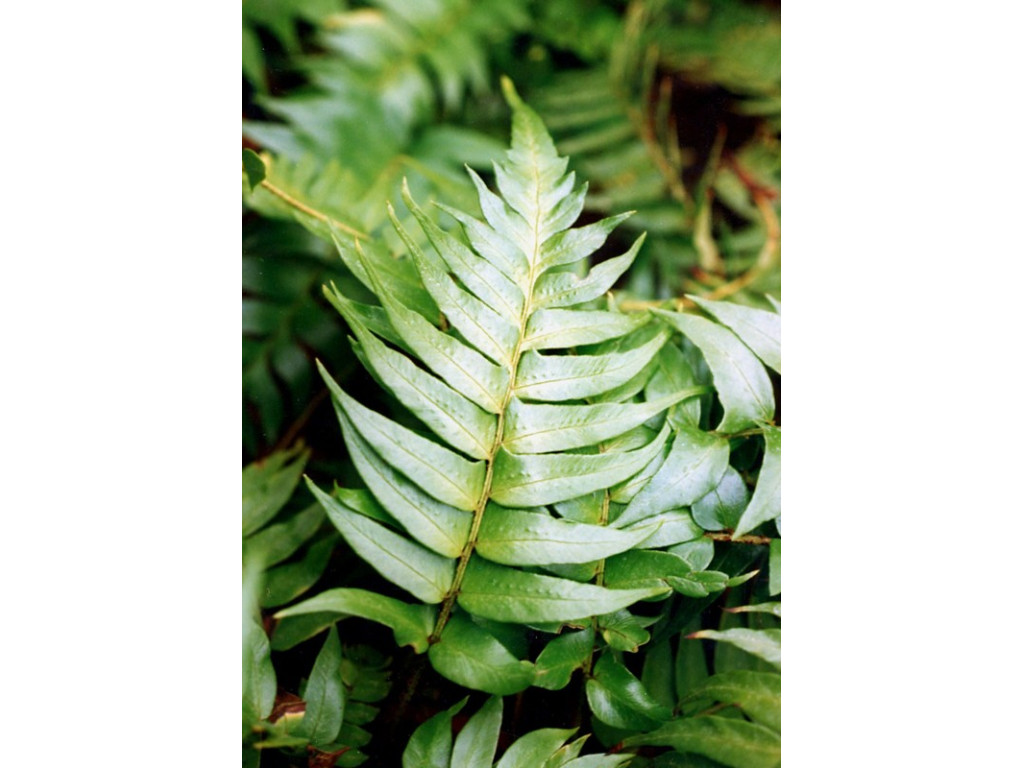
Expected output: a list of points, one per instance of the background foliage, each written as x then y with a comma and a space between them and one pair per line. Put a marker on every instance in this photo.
670, 109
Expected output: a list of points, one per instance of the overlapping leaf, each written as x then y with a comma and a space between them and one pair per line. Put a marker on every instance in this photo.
477, 743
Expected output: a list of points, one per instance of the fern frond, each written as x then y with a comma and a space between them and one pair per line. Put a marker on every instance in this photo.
340, 697
536, 449
381, 72
350, 183
281, 19
415, 55
502, 399
735, 45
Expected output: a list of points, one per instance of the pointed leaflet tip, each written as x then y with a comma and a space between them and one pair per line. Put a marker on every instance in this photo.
325, 375
407, 195
511, 96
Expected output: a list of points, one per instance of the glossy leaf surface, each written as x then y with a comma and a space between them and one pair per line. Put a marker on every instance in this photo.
505, 594
477, 742
514, 537
740, 378
735, 743
411, 623
425, 574
764, 643
758, 329
470, 656
619, 699
561, 657
694, 466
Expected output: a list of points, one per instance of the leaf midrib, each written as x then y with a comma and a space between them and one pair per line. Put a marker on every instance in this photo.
485, 494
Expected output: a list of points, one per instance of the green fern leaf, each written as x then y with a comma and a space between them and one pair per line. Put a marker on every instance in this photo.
741, 380
470, 340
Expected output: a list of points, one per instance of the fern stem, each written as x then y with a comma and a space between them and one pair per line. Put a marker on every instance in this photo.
499, 433
751, 539
282, 195
485, 494
599, 581
474, 530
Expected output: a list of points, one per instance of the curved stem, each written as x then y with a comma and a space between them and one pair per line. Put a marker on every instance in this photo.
599, 581
299, 206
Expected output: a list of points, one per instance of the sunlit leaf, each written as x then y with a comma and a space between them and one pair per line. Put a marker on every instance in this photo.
525, 480
694, 466
764, 643
514, 537
425, 574
541, 428
740, 378
758, 329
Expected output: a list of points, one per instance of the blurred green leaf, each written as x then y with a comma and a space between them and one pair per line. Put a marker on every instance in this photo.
277, 542
764, 643
260, 681
254, 168
775, 567
267, 486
